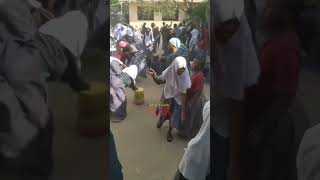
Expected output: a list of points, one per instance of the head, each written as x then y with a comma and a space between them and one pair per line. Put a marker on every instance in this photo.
277, 15
175, 25
163, 23
129, 51
148, 30
144, 24
180, 65
174, 44
197, 64
153, 25
225, 30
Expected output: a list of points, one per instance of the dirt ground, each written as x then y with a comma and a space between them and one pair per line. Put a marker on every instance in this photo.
142, 148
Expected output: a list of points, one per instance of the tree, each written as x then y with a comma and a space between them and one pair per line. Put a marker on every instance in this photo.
194, 12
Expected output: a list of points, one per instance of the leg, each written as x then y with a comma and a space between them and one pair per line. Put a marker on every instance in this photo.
121, 112
169, 134
220, 159
115, 166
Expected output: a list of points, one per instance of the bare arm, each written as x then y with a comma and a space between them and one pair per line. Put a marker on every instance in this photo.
157, 80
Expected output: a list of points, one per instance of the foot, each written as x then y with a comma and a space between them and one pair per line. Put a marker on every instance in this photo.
169, 137
160, 121
159, 124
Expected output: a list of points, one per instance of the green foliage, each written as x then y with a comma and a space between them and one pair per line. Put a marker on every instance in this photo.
199, 12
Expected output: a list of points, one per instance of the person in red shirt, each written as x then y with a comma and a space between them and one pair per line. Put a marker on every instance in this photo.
270, 134
195, 101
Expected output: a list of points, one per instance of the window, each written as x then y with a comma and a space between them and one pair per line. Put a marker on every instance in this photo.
145, 13
170, 15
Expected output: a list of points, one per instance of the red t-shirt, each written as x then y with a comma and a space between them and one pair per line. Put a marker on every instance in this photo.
280, 66
203, 43
197, 81
120, 55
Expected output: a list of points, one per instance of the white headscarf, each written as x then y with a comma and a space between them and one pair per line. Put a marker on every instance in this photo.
71, 30
176, 42
132, 71
224, 10
195, 164
176, 84
308, 161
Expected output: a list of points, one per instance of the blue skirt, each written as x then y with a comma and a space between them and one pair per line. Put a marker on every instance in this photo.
175, 119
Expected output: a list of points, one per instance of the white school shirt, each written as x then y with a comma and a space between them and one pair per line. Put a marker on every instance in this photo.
195, 163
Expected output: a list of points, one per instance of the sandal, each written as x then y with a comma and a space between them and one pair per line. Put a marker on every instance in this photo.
160, 122
169, 137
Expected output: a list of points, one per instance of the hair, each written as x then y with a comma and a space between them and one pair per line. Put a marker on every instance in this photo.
283, 15
200, 63
128, 48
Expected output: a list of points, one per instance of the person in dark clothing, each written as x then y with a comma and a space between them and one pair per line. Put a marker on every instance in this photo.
28, 60
144, 28
270, 152
115, 168
156, 35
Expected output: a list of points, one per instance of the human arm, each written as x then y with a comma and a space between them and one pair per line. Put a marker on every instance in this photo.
156, 79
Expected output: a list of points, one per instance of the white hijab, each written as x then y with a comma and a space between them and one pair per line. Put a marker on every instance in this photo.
237, 63
132, 71
71, 30
308, 161
195, 164
176, 84
224, 10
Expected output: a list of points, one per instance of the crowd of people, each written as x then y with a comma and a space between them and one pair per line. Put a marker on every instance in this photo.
181, 68
136, 49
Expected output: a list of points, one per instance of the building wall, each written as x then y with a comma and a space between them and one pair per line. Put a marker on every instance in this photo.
133, 17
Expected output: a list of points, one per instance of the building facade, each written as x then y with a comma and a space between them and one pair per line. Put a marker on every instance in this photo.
138, 15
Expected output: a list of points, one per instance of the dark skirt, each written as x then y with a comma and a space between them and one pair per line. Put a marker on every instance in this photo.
115, 168
192, 124
36, 160
274, 159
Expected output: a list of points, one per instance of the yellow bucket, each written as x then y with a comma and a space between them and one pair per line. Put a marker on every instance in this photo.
93, 111
139, 96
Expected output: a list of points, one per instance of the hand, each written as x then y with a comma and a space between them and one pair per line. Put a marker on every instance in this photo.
124, 66
152, 72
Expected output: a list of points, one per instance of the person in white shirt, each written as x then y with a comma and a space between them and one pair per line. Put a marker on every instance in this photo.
177, 81
195, 163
